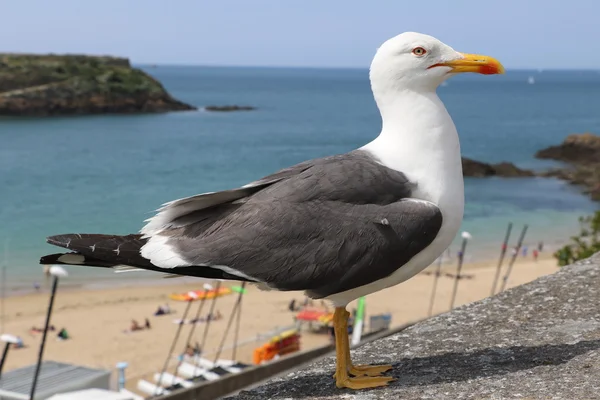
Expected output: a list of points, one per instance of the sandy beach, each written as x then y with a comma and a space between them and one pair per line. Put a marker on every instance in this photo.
97, 319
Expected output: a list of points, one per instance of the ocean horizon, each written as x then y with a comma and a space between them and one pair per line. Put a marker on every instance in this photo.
107, 173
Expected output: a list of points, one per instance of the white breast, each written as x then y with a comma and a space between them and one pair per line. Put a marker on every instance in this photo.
427, 150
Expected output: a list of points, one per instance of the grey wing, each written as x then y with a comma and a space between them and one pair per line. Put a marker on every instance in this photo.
336, 225
181, 212
322, 248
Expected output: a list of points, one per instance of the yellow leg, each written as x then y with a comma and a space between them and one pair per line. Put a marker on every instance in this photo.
343, 362
363, 370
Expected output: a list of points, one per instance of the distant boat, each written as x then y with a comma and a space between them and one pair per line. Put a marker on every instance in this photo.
531, 80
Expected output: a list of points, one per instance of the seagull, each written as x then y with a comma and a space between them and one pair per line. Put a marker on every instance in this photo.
338, 227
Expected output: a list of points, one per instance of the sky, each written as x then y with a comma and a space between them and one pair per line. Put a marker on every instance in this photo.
307, 33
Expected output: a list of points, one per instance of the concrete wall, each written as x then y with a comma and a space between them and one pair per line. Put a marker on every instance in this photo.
537, 341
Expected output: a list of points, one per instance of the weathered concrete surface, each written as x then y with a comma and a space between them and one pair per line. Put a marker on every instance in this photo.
536, 341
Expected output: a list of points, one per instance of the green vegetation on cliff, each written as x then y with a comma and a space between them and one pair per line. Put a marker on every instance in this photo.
584, 245
41, 85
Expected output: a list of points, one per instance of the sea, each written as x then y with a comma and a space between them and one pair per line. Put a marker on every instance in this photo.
107, 173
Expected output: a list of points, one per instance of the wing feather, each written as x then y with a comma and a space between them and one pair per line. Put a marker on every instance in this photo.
330, 226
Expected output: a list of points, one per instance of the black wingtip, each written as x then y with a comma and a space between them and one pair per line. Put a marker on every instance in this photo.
50, 259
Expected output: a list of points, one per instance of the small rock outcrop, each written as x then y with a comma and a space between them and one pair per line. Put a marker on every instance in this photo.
229, 108
576, 148
48, 85
478, 169
581, 153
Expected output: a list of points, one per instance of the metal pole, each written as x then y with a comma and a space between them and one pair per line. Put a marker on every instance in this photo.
43, 344
234, 312
2, 315
4, 356
164, 369
237, 328
501, 260
209, 319
189, 338
4, 266
513, 258
121, 368
458, 269
438, 271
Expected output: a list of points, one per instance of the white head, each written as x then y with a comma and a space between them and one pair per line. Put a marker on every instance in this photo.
417, 62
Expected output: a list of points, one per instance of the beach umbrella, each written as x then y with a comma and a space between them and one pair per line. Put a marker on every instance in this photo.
238, 289
56, 272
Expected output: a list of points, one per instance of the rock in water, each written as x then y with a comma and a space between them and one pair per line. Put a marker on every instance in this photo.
576, 148
582, 153
478, 169
46, 85
229, 108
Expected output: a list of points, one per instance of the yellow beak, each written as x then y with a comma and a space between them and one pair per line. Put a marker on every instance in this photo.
474, 63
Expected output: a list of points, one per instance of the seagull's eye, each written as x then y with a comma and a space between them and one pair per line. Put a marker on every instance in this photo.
419, 51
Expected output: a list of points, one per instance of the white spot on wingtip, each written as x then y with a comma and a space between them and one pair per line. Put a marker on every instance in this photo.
71, 259
385, 221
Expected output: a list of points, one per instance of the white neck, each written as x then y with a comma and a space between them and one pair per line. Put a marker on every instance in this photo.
419, 139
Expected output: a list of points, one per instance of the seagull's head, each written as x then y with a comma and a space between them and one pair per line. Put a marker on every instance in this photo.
421, 62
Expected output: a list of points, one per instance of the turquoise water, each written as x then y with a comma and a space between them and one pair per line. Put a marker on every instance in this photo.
107, 173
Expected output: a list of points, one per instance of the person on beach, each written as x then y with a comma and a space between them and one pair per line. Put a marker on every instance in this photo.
535, 255
540, 246
292, 305
524, 251
135, 326
147, 325
35, 329
63, 334
19, 344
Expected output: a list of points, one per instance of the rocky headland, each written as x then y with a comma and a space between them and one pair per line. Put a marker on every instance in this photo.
48, 85
581, 154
